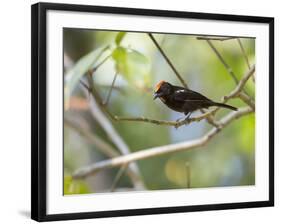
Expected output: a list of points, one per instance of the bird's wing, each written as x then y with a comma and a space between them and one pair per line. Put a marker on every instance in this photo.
186, 95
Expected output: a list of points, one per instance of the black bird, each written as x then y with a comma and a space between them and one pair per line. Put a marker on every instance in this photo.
184, 100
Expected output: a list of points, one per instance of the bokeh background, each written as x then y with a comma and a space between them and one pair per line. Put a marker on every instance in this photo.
227, 160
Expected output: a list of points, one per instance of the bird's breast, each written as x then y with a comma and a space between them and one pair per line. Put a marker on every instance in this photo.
163, 99
169, 102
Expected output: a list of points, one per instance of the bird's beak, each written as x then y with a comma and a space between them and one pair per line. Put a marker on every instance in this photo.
155, 96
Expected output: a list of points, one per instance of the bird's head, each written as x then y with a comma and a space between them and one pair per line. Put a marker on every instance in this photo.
161, 89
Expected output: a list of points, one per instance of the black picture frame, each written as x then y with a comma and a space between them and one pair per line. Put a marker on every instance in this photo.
39, 107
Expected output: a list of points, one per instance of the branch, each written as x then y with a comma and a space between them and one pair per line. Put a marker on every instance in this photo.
116, 88
242, 83
245, 56
237, 92
176, 124
228, 68
215, 38
103, 61
118, 177
161, 150
244, 53
101, 145
110, 90
113, 135
168, 60
244, 96
247, 99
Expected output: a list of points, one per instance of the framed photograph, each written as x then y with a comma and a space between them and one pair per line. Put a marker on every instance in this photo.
139, 111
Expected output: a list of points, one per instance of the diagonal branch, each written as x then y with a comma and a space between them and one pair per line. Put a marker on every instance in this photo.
237, 91
110, 90
247, 99
220, 57
101, 145
102, 62
118, 176
244, 53
168, 60
243, 95
95, 109
245, 56
242, 82
161, 150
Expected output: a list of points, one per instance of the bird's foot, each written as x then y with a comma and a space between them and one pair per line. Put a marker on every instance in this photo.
187, 116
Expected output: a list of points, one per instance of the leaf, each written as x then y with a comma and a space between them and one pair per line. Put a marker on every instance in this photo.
133, 65
79, 69
75, 186
119, 37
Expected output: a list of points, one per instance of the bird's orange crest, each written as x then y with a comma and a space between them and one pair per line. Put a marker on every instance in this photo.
158, 85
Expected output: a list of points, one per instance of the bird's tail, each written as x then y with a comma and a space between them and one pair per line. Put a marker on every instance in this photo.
225, 106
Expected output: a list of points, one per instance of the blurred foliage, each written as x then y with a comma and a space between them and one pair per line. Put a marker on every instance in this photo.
80, 69
119, 37
133, 65
228, 160
75, 186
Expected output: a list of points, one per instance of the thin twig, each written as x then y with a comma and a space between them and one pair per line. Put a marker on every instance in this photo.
228, 68
116, 88
242, 82
245, 56
237, 91
161, 150
215, 38
247, 99
176, 124
244, 95
163, 40
110, 90
244, 53
168, 60
101, 63
118, 177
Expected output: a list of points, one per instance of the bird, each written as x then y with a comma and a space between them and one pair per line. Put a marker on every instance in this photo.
184, 100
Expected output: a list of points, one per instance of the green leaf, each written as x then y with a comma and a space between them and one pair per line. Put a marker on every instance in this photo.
75, 186
133, 65
119, 37
79, 69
